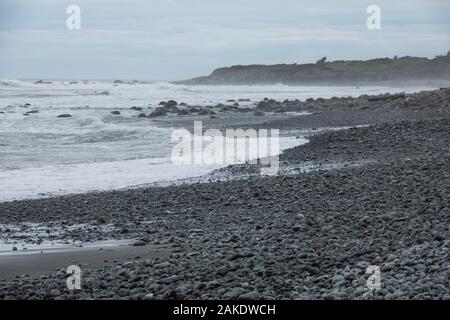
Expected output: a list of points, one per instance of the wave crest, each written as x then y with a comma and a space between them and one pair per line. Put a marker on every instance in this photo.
11, 83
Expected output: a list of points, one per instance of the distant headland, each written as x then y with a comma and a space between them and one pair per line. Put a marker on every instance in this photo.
340, 72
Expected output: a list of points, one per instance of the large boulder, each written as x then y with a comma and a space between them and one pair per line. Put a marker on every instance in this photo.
206, 112
171, 103
267, 105
159, 112
183, 112
65, 115
194, 110
171, 109
42, 82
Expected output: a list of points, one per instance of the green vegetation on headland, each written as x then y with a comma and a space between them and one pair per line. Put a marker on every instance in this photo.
339, 72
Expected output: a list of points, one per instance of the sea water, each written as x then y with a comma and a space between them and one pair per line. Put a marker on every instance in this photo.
42, 155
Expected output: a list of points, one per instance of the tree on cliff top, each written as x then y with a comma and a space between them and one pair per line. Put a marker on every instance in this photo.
322, 61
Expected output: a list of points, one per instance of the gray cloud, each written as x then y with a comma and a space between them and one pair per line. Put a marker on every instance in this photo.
173, 39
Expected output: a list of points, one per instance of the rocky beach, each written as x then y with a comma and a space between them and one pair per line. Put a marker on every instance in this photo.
371, 188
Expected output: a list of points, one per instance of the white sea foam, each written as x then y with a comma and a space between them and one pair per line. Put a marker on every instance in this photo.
11, 83
43, 181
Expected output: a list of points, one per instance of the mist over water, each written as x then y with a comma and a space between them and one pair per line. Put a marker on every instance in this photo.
96, 150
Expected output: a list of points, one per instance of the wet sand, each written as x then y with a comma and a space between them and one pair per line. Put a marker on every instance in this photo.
36, 263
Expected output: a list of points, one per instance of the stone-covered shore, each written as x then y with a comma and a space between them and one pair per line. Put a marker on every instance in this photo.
298, 236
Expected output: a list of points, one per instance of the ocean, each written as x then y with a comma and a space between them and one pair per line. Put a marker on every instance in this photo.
94, 150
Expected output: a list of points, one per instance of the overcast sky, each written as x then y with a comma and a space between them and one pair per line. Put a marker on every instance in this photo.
178, 39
